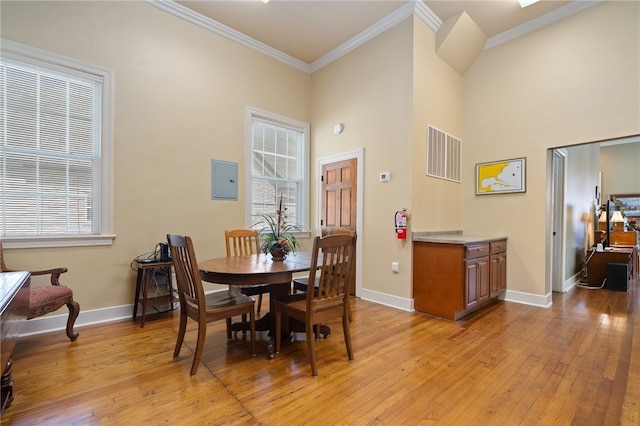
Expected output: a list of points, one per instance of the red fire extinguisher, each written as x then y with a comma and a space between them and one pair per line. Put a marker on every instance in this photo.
400, 219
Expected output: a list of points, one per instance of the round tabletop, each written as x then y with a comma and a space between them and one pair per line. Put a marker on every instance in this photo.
253, 269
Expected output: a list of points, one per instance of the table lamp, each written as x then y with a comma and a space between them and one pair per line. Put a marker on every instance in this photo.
618, 221
602, 221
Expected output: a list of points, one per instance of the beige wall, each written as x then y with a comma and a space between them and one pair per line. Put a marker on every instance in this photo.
571, 82
580, 209
385, 93
437, 100
180, 97
620, 167
369, 90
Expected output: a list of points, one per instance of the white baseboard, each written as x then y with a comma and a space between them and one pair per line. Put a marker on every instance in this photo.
542, 301
407, 304
50, 323
387, 299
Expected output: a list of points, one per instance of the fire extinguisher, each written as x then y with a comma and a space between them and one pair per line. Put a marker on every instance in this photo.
400, 219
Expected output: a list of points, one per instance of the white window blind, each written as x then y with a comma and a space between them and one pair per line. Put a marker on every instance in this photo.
50, 151
278, 166
443, 155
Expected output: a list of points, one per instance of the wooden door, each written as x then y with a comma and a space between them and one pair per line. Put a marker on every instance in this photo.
339, 200
339, 203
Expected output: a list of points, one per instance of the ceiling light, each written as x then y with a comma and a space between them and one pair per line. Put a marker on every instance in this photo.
525, 3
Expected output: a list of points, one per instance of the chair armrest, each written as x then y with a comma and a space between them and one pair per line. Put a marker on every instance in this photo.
55, 274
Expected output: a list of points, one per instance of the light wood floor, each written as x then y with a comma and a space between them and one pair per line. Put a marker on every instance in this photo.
577, 362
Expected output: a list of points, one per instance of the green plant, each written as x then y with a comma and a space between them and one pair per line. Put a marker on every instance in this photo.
276, 233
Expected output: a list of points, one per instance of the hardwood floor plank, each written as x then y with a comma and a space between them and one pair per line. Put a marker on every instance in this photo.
577, 362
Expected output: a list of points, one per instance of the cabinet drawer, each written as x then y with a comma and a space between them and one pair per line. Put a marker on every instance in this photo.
498, 246
476, 250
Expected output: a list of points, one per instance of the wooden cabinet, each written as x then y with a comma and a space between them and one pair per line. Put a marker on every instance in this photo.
452, 280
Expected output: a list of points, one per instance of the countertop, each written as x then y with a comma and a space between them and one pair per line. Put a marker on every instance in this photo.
453, 237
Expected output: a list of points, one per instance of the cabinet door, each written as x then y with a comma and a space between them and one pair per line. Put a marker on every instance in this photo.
498, 275
477, 285
503, 272
483, 279
471, 283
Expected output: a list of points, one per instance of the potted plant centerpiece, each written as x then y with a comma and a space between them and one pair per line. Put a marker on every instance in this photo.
277, 235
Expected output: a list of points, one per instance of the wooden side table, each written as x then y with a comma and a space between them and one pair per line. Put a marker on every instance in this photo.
145, 271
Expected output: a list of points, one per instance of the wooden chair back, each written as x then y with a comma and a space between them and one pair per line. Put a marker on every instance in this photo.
241, 242
197, 305
190, 289
337, 254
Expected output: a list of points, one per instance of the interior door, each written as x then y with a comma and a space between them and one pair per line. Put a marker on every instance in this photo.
339, 200
339, 203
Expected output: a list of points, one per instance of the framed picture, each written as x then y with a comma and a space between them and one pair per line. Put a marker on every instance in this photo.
629, 205
501, 177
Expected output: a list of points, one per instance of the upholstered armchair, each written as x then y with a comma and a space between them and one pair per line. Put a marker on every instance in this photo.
45, 299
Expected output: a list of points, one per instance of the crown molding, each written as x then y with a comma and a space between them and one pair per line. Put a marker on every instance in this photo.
544, 20
427, 16
379, 27
414, 7
196, 18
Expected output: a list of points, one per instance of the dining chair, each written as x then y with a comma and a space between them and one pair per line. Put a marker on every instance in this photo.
49, 298
330, 301
302, 283
242, 242
200, 307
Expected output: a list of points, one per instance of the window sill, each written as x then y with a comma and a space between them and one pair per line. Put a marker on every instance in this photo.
57, 241
302, 234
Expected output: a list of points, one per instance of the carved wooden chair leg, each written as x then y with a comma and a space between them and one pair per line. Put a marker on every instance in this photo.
74, 310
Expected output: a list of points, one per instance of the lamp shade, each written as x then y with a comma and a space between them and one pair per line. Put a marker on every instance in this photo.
617, 217
603, 217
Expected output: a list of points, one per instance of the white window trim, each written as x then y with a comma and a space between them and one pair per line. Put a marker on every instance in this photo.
301, 126
22, 52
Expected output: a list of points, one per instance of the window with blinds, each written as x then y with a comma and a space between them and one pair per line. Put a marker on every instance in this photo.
443, 155
278, 153
50, 150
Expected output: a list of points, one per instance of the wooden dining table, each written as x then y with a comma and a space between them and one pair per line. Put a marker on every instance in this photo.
257, 269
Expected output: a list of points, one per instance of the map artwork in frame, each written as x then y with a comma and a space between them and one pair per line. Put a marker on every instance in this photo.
501, 177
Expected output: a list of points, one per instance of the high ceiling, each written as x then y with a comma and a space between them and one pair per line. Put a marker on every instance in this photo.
309, 29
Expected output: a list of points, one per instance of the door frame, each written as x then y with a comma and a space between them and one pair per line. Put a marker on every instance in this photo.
358, 155
557, 221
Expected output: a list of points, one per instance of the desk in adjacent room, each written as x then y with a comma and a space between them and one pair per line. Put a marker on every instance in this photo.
597, 265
